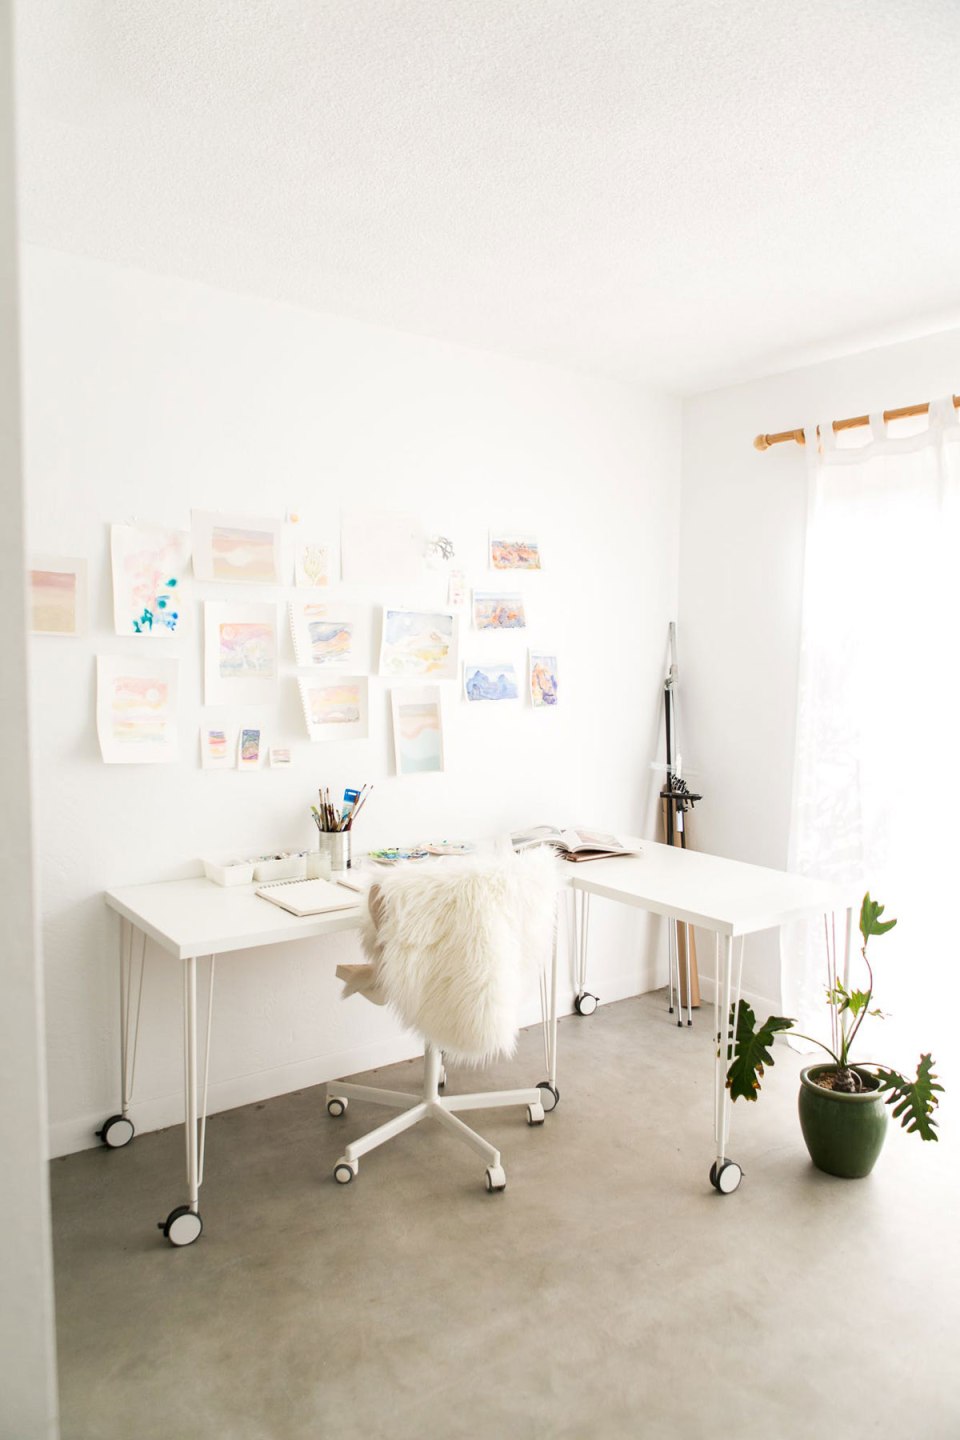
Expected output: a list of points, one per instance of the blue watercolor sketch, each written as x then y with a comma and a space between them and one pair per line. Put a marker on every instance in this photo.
490, 682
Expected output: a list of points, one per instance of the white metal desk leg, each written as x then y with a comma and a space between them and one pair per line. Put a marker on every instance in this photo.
725, 1174
184, 1224
583, 1002
118, 1130
549, 1094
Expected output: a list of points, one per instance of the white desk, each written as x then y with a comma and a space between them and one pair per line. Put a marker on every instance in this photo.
725, 896
193, 919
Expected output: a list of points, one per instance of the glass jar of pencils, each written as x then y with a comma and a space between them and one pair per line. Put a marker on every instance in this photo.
334, 846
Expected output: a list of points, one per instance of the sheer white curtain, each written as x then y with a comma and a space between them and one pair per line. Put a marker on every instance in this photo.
877, 778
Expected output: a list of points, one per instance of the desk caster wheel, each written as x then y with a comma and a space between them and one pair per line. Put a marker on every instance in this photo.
345, 1170
496, 1179
116, 1132
586, 1003
535, 1114
726, 1177
182, 1226
337, 1106
549, 1096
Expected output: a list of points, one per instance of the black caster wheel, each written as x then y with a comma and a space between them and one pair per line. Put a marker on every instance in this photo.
586, 1003
116, 1132
495, 1180
344, 1171
549, 1096
337, 1106
726, 1178
182, 1226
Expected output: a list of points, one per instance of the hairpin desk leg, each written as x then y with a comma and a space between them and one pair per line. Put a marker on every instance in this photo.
725, 1174
184, 1223
118, 1130
549, 1094
583, 1001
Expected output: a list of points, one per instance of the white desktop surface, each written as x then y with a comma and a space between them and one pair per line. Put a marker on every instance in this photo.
196, 917
725, 896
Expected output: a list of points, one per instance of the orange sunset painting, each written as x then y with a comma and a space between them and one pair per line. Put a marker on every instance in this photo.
54, 602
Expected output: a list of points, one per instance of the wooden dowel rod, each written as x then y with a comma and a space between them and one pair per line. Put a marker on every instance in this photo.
763, 442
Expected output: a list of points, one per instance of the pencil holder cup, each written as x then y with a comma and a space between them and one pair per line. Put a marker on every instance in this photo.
335, 844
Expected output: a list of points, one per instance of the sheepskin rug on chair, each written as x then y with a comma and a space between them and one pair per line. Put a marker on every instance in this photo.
454, 946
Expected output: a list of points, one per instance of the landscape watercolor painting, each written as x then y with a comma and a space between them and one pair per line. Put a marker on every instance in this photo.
417, 642
543, 681
241, 550
240, 653
335, 709
137, 710
514, 552
322, 635
57, 600
495, 610
490, 682
248, 749
417, 730
149, 564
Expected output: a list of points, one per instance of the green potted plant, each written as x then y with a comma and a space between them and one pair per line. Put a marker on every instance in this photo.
843, 1112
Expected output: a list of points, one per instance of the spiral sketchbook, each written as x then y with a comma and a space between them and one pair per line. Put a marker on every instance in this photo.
308, 897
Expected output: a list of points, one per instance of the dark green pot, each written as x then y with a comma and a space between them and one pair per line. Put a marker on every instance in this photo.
844, 1133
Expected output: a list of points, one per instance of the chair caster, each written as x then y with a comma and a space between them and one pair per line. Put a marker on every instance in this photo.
182, 1226
337, 1105
345, 1170
535, 1114
586, 1003
726, 1177
549, 1095
116, 1132
496, 1179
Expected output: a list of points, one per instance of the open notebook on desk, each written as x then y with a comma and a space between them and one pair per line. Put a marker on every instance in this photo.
308, 897
575, 844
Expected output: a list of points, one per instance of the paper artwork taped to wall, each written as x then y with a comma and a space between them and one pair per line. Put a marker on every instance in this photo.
510, 551
217, 748
491, 682
249, 748
280, 757
238, 549
58, 595
240, 653
494, 610
381, 549
543, 681
335, 708
322, 634
417, 730
149, 564
419, 642
315, 564
137, 710
456, 589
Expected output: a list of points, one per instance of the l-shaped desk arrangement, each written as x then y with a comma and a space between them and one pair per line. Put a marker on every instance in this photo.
192, 919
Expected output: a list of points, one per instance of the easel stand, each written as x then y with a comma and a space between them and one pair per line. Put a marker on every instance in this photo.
676, 799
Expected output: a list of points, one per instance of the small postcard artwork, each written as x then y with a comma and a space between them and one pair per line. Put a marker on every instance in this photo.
417, 730
314, 564
240, 653
456, 589
322, 634
149, 565
248, 748
543, 681
137, 710
217, 750
58, 595
495, 610
280, 757
491, 682
241, 550
419, 643
509, 551
335, 708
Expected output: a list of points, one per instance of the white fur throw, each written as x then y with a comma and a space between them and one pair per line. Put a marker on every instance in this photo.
454, 944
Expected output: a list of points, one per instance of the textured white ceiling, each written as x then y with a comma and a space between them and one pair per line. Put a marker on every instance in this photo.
684, 193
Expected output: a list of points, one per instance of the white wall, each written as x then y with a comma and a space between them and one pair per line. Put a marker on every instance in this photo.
147, 396
742, 537
28, 1395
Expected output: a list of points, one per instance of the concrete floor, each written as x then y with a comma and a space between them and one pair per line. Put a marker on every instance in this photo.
609, 1292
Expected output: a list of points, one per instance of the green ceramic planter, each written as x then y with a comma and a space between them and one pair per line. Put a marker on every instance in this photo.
844, 1133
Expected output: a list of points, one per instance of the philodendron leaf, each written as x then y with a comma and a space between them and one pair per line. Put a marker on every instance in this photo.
913, 1101
752, 1051
856, 1000
870, 922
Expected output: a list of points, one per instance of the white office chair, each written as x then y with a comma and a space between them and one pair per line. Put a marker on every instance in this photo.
452, 945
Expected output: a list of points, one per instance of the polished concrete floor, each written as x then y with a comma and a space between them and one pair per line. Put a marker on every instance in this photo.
609, 1292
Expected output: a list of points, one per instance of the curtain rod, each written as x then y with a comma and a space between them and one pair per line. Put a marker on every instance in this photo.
763, 442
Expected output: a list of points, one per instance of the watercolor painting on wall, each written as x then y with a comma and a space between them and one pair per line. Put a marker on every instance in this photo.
378, 548
335, 708
418, 642
58, 595
217, 750
249, 748
543, 680
417, 730
322, 634
509, 551
137, 710
315, 564
240, 653
149, 565
494, 610
491, 682
241, 550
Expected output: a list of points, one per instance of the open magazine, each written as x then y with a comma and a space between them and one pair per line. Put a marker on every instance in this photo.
573, 844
